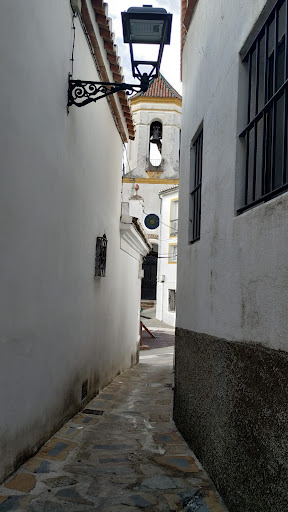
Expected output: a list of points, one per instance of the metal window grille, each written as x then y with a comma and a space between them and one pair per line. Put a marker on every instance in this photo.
196, 159
265, 134
172, 253
174, 227
174, 219
100, 257
171, 300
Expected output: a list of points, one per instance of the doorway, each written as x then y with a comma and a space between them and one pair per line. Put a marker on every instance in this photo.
149, 281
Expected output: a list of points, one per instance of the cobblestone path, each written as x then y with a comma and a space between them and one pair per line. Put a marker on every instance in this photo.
128, 459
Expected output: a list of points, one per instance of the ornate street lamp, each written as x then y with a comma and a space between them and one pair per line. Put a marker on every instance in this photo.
146, 25
141, 25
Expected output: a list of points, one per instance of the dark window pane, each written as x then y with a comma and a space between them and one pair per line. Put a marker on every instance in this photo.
197, 155
271, 37
251, 144
279, 124
195, 194
261, 99
195, 215
259, 159
280, 65
270, 76
281, 22
266, 133
192, 169
269, 132
199, 211
253, 86
191, 216
285, 171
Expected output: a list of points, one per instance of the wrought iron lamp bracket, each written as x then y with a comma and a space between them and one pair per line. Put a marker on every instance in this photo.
81, 92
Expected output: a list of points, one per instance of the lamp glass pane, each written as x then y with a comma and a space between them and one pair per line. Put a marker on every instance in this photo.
146, 31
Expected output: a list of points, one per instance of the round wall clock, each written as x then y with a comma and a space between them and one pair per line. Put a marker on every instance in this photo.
151, 221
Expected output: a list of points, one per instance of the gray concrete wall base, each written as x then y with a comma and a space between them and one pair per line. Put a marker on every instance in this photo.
230, 405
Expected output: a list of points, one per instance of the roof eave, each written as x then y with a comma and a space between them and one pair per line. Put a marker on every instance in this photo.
122, 112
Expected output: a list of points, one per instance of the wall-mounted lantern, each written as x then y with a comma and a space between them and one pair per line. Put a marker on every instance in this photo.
100, 256
141, 25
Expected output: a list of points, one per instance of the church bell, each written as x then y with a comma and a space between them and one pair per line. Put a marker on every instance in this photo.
156, 135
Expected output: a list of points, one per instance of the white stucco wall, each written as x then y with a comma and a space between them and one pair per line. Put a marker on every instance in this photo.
233, 282
151, 201
144, 113
60, 189
166, 272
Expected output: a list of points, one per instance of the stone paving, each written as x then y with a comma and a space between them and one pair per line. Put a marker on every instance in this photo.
165, 334
122, 453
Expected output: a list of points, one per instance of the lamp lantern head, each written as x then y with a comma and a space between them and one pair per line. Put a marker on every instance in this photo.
146, 25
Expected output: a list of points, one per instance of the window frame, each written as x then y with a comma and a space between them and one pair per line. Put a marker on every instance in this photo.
195, 193
173, 262
170, 300
261, 165
175, 235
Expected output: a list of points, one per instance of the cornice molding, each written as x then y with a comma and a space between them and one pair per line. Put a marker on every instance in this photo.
151, 99
132, 238
147, 181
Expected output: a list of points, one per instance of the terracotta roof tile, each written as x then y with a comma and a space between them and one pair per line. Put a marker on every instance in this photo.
105, 26
159, 88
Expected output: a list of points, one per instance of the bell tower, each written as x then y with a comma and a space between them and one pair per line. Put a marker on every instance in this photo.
157, 117
152, 163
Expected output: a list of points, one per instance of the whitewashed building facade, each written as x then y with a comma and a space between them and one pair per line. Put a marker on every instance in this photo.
167, 257
153, 161
231, 390
65, 333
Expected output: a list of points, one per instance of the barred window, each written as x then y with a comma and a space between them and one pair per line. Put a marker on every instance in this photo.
100, 256
196, 158
172, 253
171, 300
266, 131
174, 218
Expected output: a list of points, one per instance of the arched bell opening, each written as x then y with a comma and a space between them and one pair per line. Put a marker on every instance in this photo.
155, 145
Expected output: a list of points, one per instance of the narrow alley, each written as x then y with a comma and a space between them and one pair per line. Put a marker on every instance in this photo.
121, 453
144, 256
